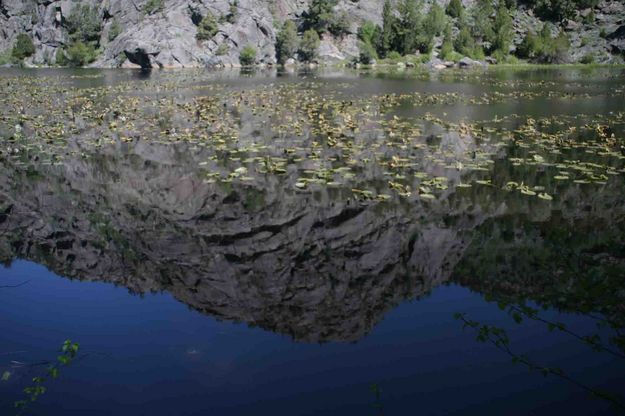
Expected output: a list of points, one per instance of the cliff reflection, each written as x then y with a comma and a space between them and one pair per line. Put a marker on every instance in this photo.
317, 264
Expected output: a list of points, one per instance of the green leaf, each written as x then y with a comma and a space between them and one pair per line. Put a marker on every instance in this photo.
53, 372
6, 376
20, 404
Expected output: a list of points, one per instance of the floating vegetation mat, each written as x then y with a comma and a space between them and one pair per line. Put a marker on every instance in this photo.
416, 138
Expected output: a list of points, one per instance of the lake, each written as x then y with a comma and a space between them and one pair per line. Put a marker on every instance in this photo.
329, 242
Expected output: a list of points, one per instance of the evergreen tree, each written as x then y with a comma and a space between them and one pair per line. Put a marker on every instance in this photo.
503, 31
309, 45
84, 24
339, 24
319, 15
447, 47
455, 9
388, 27
435, 20
247, 56
408, 26
465, 43
482, 27
529, 47
207, 27
23, 47
367, 53
366, 32
287, 42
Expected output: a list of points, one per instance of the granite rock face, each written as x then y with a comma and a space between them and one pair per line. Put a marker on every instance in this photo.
167, 37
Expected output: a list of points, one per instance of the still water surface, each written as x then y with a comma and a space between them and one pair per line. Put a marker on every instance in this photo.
244, 244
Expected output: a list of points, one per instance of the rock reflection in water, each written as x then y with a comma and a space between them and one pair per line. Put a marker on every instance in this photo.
318, 265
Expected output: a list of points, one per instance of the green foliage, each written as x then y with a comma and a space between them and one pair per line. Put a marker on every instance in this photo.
309, 45
435, 20
23, 47
84, 24
69, 350
367, 32
503, 31
339, 24
543, 47
407, 31
6, 57
424, 43
388, 24
557, 10
247, 56
60, 58
81, 54
455, 9
375, 389
407, 28
319, 16
465, 43
222, 49
477, 53
154, 6
555, 49
287, 42
482, 27
367, 53
233, 12
447, 48
207, 27
114, 30
583, 41
588, 59
529, 47
590, 17
603, 33
519, 313
394, 56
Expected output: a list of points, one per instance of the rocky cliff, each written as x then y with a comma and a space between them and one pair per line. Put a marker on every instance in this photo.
167, 37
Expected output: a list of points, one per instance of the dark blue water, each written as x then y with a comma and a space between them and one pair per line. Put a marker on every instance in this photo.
151, 355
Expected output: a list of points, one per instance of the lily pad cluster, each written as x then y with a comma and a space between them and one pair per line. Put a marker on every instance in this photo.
362, 135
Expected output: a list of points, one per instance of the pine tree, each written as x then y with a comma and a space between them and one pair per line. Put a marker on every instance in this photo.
388, 25
455, 9
287, 42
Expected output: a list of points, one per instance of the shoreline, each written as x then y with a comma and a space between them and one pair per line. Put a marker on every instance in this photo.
391, 67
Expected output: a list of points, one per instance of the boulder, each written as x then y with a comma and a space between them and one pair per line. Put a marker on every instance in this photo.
436, 64
491, 60
467, 62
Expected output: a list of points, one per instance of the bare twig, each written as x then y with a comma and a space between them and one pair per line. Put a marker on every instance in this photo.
499, 339
14, 286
